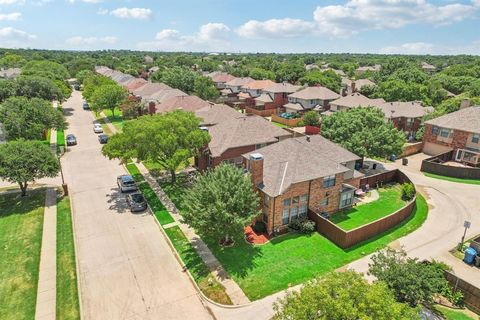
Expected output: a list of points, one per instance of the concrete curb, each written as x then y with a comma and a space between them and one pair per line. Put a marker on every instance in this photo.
77, 264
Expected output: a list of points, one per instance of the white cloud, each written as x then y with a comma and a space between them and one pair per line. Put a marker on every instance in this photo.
90, 41
10, 16
12, 2
132, 13
410, 48
359, 15
275, 28
86, 1
210, 36
12, 33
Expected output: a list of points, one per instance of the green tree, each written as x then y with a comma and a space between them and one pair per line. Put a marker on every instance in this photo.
261, 74
205, 89
8, 88
46, 69
169, 139
412, 281
289, 72
29, 119
84, 74
181, 78
343, 296
26, 161
311, 118
221, 203
38, 87
11, 60
399, 90
91, 83
108, 96
328, 79
364, 132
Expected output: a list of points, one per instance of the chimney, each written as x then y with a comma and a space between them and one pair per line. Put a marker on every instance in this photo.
465, 103
256, 169
353, 86
151, 107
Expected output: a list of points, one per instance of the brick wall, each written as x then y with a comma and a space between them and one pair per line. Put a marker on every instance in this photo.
401, 124
278, 100
459, 138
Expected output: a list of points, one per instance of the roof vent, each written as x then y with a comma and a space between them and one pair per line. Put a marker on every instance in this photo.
308, 138
256, 156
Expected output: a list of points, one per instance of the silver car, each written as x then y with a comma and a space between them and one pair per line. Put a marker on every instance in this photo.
126, 183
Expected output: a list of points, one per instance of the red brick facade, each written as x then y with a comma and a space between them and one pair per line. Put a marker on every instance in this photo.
202, 162
458, 140
402, 124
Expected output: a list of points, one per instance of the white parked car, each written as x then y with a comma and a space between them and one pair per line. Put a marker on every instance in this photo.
97, 128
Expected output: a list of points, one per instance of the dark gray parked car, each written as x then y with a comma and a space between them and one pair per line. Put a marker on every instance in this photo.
71, 140
126, 183
103, 138
136, 202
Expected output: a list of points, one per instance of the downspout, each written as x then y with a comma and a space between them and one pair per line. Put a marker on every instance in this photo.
273, 217
308, 199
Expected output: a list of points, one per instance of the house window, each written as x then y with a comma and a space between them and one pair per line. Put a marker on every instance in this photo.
266, 200
409, 121
303, 211
329, 181
285, 215
346, 199
209, 161
324, 202
476, 138
295, 200
294, 213
304, 198
444, 133
286, 202
435, 130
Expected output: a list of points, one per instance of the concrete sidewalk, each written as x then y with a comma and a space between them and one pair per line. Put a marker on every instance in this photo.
47, 276
231, 287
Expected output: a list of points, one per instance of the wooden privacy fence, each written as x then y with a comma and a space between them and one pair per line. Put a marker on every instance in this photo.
346, 239
435, 165
287, 122
470, 292
262, 113
411, 148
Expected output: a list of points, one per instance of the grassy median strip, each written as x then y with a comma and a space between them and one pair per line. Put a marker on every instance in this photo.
67, 292
198, 269
21, 225
452, 179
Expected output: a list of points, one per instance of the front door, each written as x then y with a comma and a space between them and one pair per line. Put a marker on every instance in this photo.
459, 155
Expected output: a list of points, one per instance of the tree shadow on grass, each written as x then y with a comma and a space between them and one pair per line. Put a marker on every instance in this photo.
117, 201
15, 204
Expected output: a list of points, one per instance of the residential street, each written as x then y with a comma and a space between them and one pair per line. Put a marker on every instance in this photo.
126, 268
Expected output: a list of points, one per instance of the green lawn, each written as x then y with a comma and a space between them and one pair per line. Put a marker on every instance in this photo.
21, 225
175, 190
451, 179
67, 293
117, 119
156, 168
389, 201
278, 124
133, 170
452, 314
207, 283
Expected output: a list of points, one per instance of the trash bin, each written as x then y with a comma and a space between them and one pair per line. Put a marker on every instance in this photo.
404, 161
393, 157
477, 261
470, 255
374, 166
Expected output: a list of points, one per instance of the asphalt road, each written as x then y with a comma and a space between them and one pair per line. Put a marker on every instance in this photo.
126, 268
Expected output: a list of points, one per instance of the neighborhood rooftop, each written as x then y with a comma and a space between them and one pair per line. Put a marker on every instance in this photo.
467, 119
412, 109
357, 100
317, 92
216, 113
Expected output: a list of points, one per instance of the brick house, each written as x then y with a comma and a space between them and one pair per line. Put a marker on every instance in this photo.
252, 90
233, 135
458, 131
405, 116
352, 86
301, 174
232, 88
185, 103
354, 100
275, 96
310, 98
219, 78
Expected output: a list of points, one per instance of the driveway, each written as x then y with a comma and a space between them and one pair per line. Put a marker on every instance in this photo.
126, 268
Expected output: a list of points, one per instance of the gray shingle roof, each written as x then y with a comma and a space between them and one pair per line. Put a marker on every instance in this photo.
318, 92
217, 113
296, 160
467, 119
357, 100
282, 87
412, 109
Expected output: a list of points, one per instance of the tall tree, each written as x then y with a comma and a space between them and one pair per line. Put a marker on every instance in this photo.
29, 119
364, 132
343, 296
46, 69
108, 96
91, 83
328, 79
221, 203
205, 89
38, 87
169, 139
181, 78
26, 161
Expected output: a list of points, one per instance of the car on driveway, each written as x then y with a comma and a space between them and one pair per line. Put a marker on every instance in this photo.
126, 183
86, 106
71, 140
97, 128
136, 202
102, 138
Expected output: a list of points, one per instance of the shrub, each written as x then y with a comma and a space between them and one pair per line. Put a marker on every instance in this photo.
408, 191
295, 225
456, 298
259, 227
307, 226
311, 118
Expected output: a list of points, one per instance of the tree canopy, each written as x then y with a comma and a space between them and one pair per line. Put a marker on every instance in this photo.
29, 119
343, 296
169, 139
177, 77
108, 96
26, 161
205, 89
327, 79
221, 202
91, 83
364, 132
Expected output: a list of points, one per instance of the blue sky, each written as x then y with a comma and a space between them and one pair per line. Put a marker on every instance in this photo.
376, 26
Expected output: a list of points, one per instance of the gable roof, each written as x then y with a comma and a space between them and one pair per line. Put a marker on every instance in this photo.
134, 83
149, 88
317, 92
282, 87
258, 84
186, 103
412, 109
297, 159
162, 95
357, 100
241, 131
263, 98
467, 119
216, 113
218, 76
363, 82
237, 82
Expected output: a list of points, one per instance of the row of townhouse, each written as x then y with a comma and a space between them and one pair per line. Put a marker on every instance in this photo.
157, 97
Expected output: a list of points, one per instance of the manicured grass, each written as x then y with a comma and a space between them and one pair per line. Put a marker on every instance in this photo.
451, 179
60, 138
117, 119
294, 258
156, 168
281, 125
204, 279
67, 293
133, 170
21, 225
105, 127
389, 201
175, 190
452, 314
156, 205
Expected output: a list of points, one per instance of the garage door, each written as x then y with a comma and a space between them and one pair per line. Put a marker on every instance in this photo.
433, 149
